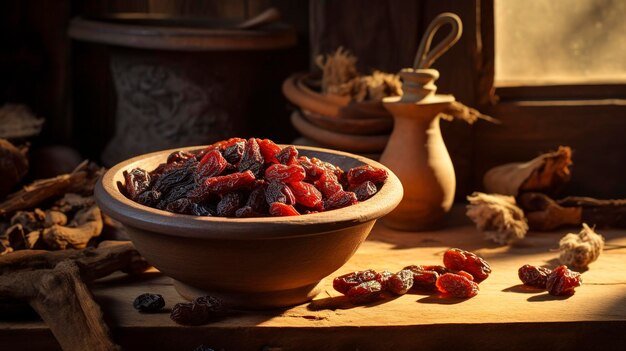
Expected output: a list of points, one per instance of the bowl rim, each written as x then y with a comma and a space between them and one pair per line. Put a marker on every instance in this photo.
130, 213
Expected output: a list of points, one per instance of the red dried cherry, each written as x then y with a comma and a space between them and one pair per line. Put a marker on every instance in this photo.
279, 209
307, 195
562, 281
212, 164
401, 282
456, 285
285, 173
358, 175
345, 282
365, 292
340, 199
460, 260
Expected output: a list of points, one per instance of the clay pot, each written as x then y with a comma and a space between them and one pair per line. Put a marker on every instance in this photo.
249, 262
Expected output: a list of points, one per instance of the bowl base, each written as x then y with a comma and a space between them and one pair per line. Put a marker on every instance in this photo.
253, 300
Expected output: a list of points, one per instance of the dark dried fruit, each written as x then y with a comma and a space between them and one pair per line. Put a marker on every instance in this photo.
252, 160
179, 156
279, 192
212, 306
285, 173
200, 210
257, 200
456, 285
437, 268
149, 303
339, 200
189, 314
365, 292
423, 279
183, 206
247, 212
211, 165
234, 153
329, 167
364, 190
401, 282
534, 276
229, 204
460, 260
307, 195
149, 198
279, 209
203, 348
345, 282
384, 278
563, 282
361, 174
136, 182
465, 274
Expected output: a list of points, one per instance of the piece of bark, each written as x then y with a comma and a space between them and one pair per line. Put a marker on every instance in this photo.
13, 166
547, 174
545, 214
54, 284
81, 180
498, 217
601, 213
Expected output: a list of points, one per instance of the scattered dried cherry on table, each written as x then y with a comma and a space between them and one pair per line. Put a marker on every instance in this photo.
456, 285
149, 303
365, 292
461, 260
534, 276
563, 281
344, 283
400, 283
250, 178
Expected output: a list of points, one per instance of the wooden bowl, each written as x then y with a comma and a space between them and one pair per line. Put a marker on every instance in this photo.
335, 140
296, 90
249, 262
369, 126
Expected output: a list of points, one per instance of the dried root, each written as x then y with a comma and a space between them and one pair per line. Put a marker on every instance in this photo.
545, 214
498, 217
457, 110
579, 250
340, 77
546, 174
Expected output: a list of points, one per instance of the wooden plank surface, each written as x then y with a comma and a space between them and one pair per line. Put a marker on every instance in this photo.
504, 315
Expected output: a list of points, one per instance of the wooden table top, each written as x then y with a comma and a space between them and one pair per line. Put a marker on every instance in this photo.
504, 314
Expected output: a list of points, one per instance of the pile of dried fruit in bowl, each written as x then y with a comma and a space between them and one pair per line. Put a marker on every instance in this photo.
459, 277
250, 178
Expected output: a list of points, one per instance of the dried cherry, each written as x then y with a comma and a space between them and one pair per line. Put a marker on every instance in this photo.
313, 171
422, 278
563, 281
285, 173
534, 276
307, 195
211, 165
222, 185
460, 260
179, 156
287, 155
279, 209
328, 185
269, 150
456, 285
149, 303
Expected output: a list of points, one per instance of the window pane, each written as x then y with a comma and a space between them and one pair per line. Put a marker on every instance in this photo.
560, 41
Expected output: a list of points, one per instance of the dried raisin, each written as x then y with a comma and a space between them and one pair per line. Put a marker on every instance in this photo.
313, 171
345, 282
460, 260
136, 182
401, 282
221, 185
234, 153
364, 190
279, 192
252, 160
534, 276
179, 156
229, 204
149, 303
340, 199
188, 314
423, 279
563, 282
365, 292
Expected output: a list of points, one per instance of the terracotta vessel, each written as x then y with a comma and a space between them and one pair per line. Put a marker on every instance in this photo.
249, 262
416, 151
